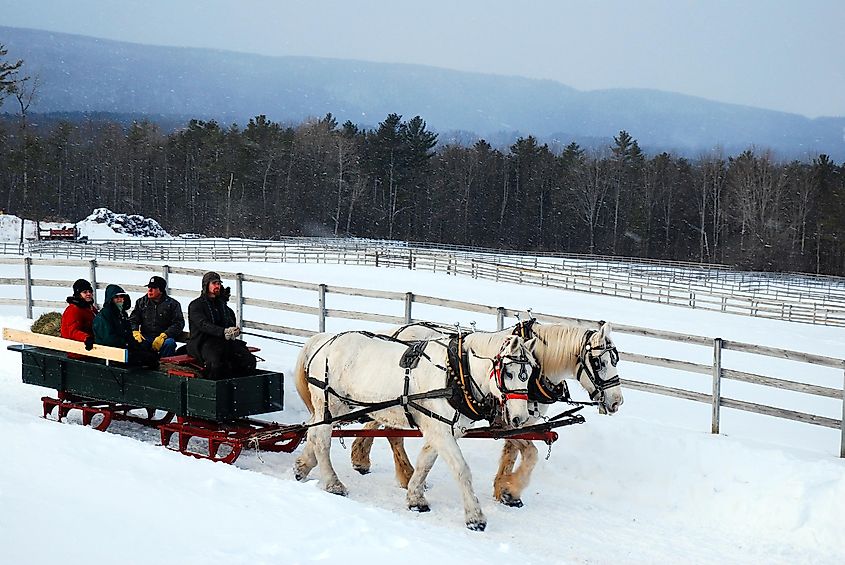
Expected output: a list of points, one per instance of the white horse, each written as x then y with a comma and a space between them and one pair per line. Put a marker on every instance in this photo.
335, 374
561, 350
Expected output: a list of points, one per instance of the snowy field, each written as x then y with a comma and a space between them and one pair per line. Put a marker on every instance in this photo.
647, 485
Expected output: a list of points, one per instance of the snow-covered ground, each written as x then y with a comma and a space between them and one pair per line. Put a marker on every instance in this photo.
648, 485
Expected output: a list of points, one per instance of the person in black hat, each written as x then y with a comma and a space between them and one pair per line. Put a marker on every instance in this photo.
78, 317
157, 318
214, 330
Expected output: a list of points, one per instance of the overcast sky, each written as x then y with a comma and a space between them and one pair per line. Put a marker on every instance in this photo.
784, 55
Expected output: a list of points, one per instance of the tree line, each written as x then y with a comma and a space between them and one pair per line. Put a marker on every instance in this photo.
395, 181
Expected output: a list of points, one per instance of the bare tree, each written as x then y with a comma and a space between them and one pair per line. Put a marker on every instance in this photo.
709, 190
590, 181
757, 186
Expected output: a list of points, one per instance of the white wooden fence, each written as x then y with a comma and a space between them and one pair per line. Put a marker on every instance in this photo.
793, 296
31, 286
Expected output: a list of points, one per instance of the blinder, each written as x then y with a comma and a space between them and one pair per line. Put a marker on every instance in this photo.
523, 376
591, 364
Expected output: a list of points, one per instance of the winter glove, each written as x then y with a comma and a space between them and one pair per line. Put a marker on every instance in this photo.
231, 333
225, 293
89, 343
159, 341
139, 337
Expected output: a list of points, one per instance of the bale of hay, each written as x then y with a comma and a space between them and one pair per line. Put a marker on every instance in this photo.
49, 323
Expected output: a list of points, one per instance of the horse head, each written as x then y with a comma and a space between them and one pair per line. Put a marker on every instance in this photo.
597, 370
513, 366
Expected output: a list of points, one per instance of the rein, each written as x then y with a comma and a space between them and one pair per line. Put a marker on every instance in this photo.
279, 339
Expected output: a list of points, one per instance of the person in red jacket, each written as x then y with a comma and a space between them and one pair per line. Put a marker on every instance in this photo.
78, 317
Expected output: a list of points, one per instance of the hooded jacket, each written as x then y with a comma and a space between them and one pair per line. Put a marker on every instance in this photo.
208, 317
111, 325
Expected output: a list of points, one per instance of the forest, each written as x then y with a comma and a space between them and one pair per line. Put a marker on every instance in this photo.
395, 181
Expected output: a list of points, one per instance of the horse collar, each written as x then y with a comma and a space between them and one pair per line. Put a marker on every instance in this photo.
525, 329
461, 382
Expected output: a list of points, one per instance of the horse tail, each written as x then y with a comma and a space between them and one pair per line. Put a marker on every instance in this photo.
300, 376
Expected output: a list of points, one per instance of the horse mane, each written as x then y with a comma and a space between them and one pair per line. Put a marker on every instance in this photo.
557, 347
486, 343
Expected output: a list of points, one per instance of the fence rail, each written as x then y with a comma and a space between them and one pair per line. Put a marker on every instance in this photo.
794, 297
405, 302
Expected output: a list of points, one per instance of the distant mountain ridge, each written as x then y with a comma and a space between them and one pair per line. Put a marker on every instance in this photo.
86, 74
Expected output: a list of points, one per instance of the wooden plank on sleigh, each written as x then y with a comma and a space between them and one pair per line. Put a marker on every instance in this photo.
66, 345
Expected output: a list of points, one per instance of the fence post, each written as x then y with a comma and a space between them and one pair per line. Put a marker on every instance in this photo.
321, 294
165, 274
842, 423
409, 299
500, 319
92, 274
717, 384
239, 289
27, 273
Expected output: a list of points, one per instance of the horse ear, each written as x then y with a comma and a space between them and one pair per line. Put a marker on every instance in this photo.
531, 344
604, 329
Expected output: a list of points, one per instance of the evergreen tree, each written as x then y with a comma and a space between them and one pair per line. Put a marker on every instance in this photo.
8, 74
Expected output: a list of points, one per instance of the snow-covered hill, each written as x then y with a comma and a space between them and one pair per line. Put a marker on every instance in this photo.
86, 74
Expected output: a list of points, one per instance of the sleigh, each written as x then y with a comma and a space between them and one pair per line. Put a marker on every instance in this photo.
203, 418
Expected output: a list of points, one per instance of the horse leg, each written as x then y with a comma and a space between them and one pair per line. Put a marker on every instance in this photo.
322, 441
523, 474
511, 494
360, 454
306, 461
401, 461
447, 446
506, 463
361, 447
416, 483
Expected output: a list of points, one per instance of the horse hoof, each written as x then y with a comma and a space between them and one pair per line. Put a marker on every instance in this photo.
362, 470
339, 490
476, 526
419, 508
509, 500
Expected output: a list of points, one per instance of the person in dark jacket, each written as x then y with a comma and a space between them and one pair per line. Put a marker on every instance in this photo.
111, 325
157, 319
78, 317
213, 331
112, 328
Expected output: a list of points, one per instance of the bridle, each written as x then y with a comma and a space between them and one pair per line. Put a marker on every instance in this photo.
497, 373
589, 363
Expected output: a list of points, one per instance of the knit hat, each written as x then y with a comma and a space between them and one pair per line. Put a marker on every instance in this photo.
81, 285
208, 278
